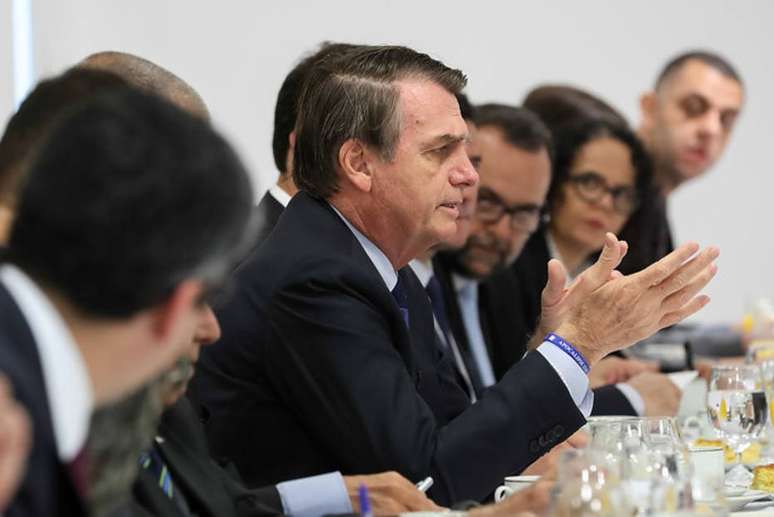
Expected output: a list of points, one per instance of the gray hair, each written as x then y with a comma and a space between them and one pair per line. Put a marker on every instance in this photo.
354, 95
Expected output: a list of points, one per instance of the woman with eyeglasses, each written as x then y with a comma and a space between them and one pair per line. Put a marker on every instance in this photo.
600, 174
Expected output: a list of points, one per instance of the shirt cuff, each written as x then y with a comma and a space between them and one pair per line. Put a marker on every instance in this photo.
633, 396
576, 381
314, 496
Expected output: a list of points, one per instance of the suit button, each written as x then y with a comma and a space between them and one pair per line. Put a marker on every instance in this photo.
544, 440
559, 430
533, 446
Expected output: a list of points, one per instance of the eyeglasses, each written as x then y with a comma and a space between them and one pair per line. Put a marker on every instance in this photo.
490, 209
592, 188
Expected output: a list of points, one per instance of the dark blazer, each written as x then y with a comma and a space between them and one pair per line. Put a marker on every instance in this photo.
267, 212
520, 305
648, 233
209, 489
317, 371
47, 488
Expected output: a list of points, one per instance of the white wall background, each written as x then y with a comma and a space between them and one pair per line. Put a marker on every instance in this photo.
236, 53
6, 69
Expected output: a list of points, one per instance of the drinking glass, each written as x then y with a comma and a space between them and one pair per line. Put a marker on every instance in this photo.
587, 486
736, 402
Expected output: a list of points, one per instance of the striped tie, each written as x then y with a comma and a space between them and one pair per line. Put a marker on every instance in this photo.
152, 462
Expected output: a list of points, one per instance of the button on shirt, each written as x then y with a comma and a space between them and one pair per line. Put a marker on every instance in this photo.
574, 379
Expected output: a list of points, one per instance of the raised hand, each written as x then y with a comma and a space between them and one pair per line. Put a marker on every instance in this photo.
621, 311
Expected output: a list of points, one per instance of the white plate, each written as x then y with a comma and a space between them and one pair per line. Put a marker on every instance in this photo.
738, 502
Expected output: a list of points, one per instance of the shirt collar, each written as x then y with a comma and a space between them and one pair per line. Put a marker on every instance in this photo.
377, 256
282, 197
464, 284
423, 270
68, 386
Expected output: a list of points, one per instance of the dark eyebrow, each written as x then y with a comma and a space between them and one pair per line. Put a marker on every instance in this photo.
445, 139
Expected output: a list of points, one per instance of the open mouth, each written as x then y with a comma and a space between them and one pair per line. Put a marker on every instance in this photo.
454, 206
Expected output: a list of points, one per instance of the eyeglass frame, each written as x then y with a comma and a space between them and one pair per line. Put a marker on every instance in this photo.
516, 212
604, 188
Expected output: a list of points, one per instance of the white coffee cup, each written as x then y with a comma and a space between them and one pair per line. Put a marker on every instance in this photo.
512, 485
708, 462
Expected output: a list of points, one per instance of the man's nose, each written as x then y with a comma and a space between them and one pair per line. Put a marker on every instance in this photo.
710, 124
464, 174
208, 330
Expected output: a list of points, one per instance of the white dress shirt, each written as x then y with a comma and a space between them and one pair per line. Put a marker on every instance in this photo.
467, 296
68, 386
631, 394
282, 197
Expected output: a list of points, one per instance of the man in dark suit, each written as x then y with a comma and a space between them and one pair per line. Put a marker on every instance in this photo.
481, 295
275, 200
84, 326
323, 346
179, 478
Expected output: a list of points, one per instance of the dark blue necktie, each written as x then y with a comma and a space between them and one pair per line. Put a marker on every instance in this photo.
435, 294
402, 299
439, 306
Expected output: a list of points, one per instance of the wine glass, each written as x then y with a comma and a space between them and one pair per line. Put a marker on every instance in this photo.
736, 402
587, 485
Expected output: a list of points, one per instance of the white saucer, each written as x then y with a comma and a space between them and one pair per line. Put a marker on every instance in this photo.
738, 502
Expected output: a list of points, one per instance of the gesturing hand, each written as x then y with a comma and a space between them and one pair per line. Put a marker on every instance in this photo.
557, 300
612, 314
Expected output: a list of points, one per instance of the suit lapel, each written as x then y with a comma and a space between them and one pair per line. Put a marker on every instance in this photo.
187, 458
151, 497
454, 313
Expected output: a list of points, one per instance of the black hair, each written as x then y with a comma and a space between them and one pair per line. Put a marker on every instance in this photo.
710, 59
42, 107
127, 197
467, 110
571, 138
286, 109
520, 127
558, 105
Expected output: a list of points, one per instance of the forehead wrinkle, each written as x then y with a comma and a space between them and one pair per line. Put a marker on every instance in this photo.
415, 119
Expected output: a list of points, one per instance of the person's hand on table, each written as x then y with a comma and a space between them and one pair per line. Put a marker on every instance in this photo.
612, 370
661, 396
389, 493
609, 313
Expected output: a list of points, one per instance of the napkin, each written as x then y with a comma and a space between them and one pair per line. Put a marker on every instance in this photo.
682, 379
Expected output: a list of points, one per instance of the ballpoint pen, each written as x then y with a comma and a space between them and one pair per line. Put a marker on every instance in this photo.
365, 503
425, 484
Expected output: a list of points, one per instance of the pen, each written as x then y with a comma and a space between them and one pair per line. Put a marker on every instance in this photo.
425, 484
365, 504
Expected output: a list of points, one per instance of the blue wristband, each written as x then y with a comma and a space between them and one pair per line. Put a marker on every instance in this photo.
568, 349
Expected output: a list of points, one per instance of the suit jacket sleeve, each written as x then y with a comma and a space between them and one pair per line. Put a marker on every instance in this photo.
332, 356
